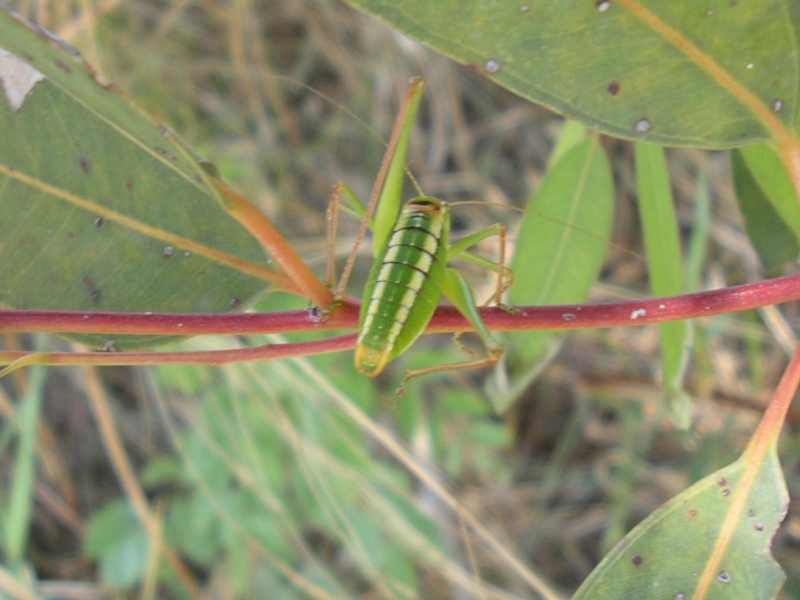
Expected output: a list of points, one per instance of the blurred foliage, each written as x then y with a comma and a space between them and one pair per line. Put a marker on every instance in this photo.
300, 477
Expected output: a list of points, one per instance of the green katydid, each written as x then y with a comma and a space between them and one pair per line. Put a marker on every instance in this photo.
411, 270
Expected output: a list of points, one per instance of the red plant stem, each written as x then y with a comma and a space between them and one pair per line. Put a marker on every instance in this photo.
345, 316
742, 297
199, 357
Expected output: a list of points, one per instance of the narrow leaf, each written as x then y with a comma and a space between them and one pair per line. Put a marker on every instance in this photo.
20, 504
563, 236
665, 266
768, 204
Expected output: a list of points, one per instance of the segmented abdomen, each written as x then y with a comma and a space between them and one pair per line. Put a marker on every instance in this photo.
404, 286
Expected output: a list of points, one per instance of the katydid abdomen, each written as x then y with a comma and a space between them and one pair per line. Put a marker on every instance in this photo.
404, 285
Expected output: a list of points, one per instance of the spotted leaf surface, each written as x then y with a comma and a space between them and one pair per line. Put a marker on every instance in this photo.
101, 207
712, 74
711, 541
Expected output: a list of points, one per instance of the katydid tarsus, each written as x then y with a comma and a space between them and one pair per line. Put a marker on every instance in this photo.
411, 270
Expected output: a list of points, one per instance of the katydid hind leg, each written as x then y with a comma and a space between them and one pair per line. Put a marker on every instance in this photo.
457, 289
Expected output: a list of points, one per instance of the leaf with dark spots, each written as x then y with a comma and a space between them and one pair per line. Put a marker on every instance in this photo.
714, 74
92, 184
703, 524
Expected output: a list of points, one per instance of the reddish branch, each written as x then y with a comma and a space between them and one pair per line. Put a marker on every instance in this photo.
345, 316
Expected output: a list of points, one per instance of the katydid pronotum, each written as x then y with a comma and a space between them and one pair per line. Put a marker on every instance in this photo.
411, 270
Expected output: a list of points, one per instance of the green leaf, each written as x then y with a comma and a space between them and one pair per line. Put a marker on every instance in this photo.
563, 236
116, 540
571, 135
23, 481
768, 204
560, 249
731, 515
665, 267
102, 207
678, 73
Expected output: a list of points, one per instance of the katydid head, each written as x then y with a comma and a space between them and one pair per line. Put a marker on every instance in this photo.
426, 204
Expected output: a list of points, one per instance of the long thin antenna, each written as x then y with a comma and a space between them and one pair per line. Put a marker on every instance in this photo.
414, 90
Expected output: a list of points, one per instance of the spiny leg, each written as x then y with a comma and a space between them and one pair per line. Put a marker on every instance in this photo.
353, 206
332, 219
491, 358
505, 276
458, 290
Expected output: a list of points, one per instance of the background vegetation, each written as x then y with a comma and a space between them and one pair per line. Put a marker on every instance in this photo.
301, 478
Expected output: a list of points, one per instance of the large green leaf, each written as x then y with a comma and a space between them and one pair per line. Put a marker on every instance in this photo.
101, 207
680, 73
